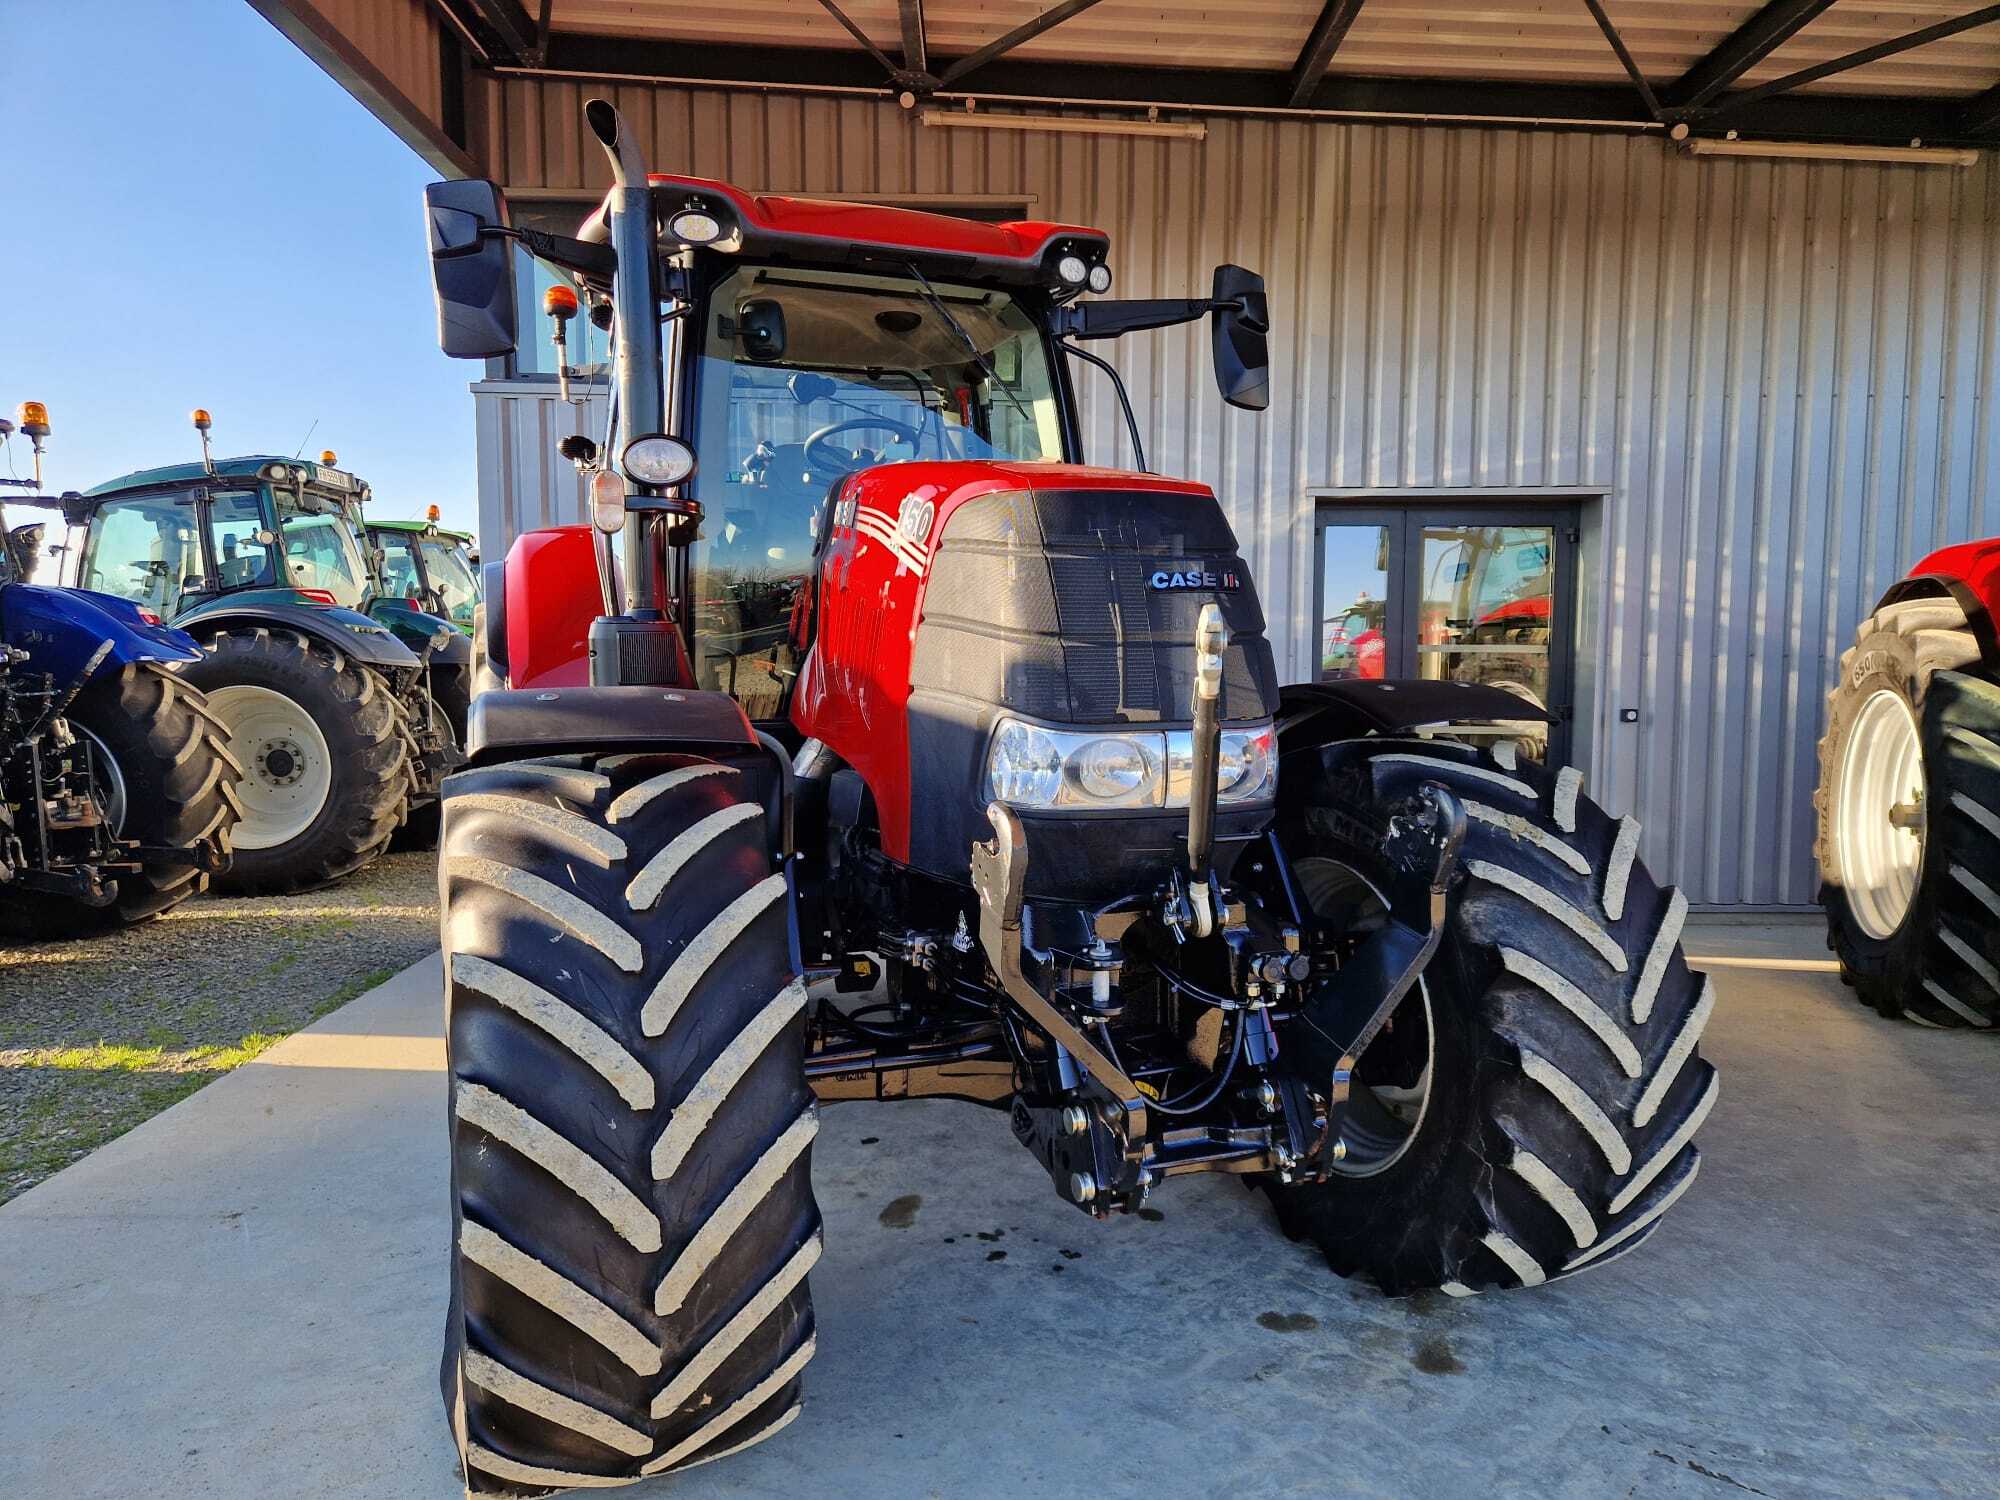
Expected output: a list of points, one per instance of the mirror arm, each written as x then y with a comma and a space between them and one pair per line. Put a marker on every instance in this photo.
596, 261
1107, 320
1118, 384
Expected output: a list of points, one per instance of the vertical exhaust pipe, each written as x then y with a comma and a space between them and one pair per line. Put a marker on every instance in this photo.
635, 303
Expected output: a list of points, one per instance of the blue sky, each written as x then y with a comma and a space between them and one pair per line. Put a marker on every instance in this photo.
198, 216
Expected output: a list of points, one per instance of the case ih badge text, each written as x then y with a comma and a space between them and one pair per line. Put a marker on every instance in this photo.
1194, 578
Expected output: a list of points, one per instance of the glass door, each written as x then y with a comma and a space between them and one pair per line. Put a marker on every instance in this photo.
1354, 600
1458, 594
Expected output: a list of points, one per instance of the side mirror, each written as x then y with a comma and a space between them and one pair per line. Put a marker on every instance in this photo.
25, 543
809, 386
472, 268
1242, 348
760, 324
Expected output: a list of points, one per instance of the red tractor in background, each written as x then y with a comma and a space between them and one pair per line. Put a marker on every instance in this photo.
1018, 814
1909, 796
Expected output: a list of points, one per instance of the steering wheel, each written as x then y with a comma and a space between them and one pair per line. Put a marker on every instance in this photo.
827, 459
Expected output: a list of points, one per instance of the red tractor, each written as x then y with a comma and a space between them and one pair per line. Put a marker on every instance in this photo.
1909, 796
1019, 814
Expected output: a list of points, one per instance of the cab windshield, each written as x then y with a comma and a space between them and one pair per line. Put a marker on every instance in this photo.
803, 377
451, 577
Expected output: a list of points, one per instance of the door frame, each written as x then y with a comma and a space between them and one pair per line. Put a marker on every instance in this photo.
1406, 520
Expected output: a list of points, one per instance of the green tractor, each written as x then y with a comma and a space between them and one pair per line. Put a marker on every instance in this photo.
431, 567
256, 558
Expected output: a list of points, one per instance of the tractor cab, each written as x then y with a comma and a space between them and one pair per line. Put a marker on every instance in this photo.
429, 567
803, 343
260, 528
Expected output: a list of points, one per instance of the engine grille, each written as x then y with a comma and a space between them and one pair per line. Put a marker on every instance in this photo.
1039, 603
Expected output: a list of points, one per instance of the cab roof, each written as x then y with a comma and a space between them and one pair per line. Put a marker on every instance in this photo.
245, 466
427, 528
818, 231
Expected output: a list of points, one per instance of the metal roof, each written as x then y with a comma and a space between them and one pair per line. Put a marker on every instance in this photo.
1883, 71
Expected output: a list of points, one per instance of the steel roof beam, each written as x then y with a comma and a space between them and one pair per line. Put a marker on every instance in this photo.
1055, 15
916, 47
1981, 113
1740, 51
1822, 117
1639, 82
888, 63
510, 25
1328, 32
1984, 16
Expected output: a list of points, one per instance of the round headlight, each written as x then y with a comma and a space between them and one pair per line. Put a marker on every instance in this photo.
1108, 769
655, 459
1072, 269
693, 227
1100, 279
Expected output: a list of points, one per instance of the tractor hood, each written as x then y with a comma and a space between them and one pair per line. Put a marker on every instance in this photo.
61, 629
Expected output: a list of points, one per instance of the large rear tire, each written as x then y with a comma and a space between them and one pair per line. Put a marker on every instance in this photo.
324, 755
1545, 1069
1909, 818
631, 1128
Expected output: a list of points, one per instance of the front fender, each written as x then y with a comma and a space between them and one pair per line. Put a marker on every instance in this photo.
507, 725
345, 630
1968, 573
61, 629
417, 628
1318, 713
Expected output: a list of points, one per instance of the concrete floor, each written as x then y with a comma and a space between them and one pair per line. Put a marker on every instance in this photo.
242, 1299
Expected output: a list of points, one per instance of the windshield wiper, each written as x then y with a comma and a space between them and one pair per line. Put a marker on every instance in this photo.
986, 369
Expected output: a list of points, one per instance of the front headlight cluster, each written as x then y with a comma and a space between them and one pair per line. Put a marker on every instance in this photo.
1030, 766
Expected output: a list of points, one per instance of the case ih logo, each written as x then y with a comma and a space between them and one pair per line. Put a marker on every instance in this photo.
1194, 578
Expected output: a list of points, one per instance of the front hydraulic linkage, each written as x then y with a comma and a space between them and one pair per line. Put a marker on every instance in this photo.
999, 878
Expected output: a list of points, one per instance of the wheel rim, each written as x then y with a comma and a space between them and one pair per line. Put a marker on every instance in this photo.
110, 779
287, 769
1878, 824
1383, 1118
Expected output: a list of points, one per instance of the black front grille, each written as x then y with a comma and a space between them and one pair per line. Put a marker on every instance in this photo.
1039, 605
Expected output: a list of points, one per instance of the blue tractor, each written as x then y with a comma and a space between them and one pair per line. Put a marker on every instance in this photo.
117, 788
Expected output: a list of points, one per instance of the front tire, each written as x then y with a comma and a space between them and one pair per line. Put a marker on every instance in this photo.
1562, 1086
1909, 818
324, 755
631, 1128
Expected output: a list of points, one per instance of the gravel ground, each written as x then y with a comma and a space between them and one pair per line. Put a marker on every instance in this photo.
97, 1035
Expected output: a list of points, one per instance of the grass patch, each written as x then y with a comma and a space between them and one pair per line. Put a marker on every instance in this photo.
71, 1100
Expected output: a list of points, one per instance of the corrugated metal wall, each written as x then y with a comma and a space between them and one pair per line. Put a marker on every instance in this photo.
1775, 372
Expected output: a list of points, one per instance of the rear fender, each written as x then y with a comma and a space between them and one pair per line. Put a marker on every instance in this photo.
61, 629
351, 634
